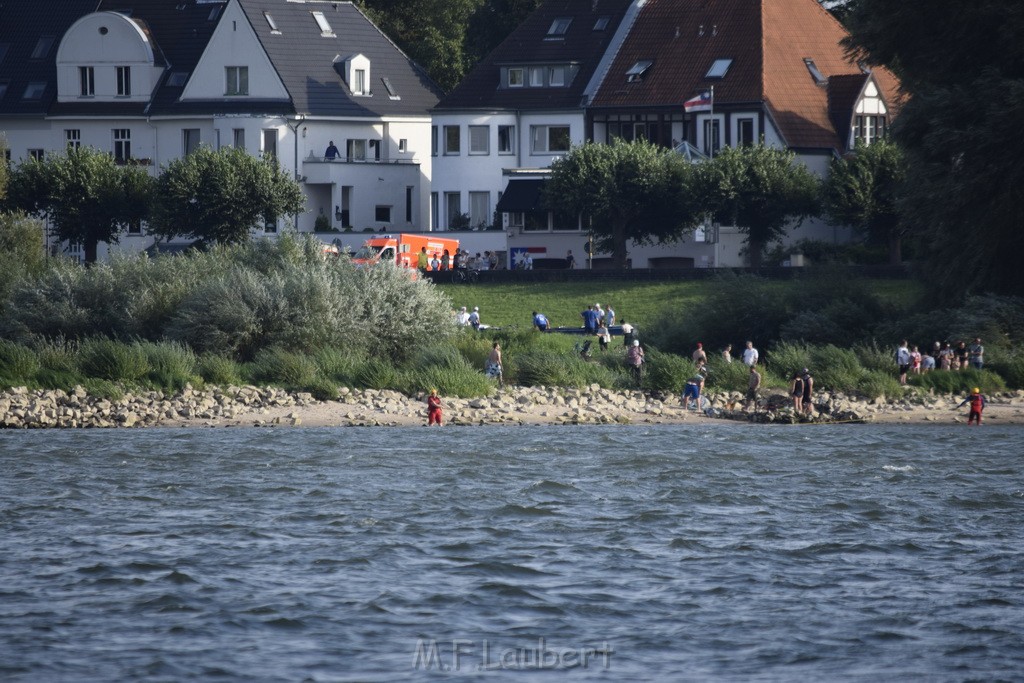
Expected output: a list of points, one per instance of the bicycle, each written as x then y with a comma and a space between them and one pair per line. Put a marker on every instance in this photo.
463, 276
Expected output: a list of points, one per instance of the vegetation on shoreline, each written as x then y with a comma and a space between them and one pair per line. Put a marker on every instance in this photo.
280, 313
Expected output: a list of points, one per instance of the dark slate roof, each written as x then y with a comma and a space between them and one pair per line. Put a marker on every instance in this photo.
530, 44
767, 40
843, 91
22, 23
304, 60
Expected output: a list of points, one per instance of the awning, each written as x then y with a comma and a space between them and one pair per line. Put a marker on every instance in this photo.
522, 196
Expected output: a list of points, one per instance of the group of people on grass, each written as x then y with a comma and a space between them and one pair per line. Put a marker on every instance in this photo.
459, 260
941, 356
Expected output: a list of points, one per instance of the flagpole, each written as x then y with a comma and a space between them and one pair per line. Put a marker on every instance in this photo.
711, 128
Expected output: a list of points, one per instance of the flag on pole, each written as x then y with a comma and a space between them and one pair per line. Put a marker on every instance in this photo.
702, 102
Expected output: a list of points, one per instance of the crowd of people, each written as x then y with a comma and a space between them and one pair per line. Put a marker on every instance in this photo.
941, 356
426, 261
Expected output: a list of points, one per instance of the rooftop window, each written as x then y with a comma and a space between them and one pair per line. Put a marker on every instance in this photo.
325, 27
35, 90
3, 89
270, 22
214, 13
719, 68
601, 23
390, 88
177, 79
637, 71
819, 78
559, 27
43, 46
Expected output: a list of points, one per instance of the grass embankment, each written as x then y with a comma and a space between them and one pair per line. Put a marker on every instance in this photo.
278, 313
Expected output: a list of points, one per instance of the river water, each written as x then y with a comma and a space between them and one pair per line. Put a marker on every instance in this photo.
521, 553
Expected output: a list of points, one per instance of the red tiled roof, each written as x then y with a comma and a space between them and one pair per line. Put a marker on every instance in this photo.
768, 41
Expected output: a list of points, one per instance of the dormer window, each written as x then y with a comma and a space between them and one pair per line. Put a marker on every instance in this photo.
559, 27
719, 68
325, 27
637, 71
819, 78
87, 80
515, 78
356, 72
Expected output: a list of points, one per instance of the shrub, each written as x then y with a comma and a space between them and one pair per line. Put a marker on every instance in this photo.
112, 360
461, 381
218, 370
876, 359
279, 366
733, 376
102, 388
377, 374
958, 382
875, 384
787, 358
17, 362
1008, 366
666, 371
322, 389
339, 365
171, 365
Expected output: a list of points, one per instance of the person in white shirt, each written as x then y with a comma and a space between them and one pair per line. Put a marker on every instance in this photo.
750, 354
609, 316
903, 360
462, 318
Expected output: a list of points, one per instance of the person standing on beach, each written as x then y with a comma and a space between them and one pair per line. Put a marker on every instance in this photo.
976, 353
433, 409
753, 384
609, 316
603, 336
977, 401
493, 366
635, 360
727, 353
808, 405
903, 360
694, 387
698, 355
796, 392
589, 320
627, 334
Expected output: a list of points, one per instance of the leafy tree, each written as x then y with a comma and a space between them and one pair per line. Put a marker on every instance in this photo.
85, 194
760, 190
630, 191
492, 22
220, 195
4, 171
861, 190
432, 32
962, 65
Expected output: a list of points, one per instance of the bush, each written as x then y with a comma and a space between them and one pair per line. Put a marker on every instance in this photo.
461, 381
112, 360
338, 365
1008, 366
733, 376
875, 384
377, 374
171, 366
958, 382
17, 362
219, 370
102, 388
278, 366
322, 389
666, 371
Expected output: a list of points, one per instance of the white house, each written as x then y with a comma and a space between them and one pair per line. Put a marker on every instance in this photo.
151, 80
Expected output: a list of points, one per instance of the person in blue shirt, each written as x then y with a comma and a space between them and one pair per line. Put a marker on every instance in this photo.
332, 152
590, 320
540, 322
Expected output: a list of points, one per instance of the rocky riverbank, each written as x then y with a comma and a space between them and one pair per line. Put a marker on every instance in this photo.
21, 408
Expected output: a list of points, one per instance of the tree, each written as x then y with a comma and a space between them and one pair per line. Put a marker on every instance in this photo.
492, 22
861, 190
4, 171
221, 195
87, 197
962, 65
760, 190
431, 32
629, 190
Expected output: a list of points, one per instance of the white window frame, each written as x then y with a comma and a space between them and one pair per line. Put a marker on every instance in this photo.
87, 81
325, 26
559, 27
719, 68
509, 138
124, 81
536, 77
73, 137
479, 140
122, 144
403, 145
188, 144
269, 140
556, 76
449, 149
236, 81
355, 149
238, 138
516, 77
359, 82
480, 209
540, 138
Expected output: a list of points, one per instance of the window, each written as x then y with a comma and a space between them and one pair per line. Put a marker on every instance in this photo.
36, 154
134, 227
719, 68
374, 149
122, 145
601, 23
4, 47
189, 140
270, 224
515, 78
382, 214
408, 203
87, 81
73, 137
34, 90
271, 23
868, 129
819, 78
238, 138
390, 88
124, 81
637, 71
506, 139
403, 145
559, 27
270, 143
42, 47
176, 79
556, 76
3, 88
479, 139
325, 28
536, 77
745, 132
433, 141
214, 13
452, 140
712, 137
452, 208
549, 139
480, 209
237, 80
355, 150
359, 82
